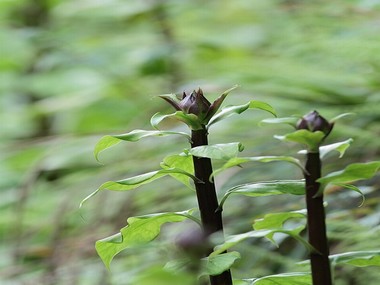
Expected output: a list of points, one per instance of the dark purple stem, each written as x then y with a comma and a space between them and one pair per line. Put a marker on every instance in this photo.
316, 224
207, 200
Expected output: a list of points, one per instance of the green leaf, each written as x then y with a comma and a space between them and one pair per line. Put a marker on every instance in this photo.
217, 103
228, 111
217, 264
233, 240
293, 278
353, 172
231, 110
276, 221
237, 161
294, 187
217, 151
139, 231
262, 106
340, 147
180, 161
189, 119
137, 181
133, 136
357, 258
311, 139
288, 120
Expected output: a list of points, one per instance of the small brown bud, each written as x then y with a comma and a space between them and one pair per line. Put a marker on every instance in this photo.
315, 122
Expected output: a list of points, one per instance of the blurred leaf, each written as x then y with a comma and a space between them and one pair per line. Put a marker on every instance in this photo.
139, 231
294, 278
217, 151
333, 120
288, 120
133, 136
217, 264
357, 258
294, 187
237, 161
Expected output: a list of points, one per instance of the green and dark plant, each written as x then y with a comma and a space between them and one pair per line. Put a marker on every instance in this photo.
207, 254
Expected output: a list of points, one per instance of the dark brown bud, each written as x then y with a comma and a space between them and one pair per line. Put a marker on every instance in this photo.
315, 122
194, 243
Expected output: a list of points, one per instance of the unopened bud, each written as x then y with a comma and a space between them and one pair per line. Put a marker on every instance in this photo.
315, 122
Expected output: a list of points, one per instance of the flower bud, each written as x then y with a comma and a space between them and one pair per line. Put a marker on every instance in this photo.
315, 122
195, 103
193, 243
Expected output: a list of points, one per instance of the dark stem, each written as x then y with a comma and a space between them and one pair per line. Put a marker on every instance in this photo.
207, 200
320, 264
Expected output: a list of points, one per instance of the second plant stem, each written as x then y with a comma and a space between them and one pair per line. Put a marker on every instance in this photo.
207, 199
316, 224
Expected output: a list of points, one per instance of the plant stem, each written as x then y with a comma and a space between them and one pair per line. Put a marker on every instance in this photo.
207, 199
319, 259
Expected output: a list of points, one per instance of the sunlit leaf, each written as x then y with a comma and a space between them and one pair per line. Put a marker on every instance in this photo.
217, 264
276, 221
217, 151
357, 258
294, 187
189, 119
133, 136
293, 278
311, 139
137, 181
139, 231
237, 161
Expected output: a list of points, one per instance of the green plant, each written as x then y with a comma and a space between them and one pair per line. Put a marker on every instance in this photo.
206, 253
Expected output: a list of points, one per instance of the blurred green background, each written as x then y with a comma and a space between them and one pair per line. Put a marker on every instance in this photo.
73, 71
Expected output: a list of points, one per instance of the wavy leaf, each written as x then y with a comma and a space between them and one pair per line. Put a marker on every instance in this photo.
217, 264
136, 181
294, 187
133, 136
237, 161
139, 231
276, 221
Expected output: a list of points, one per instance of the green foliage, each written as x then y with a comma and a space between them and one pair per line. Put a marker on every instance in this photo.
72, 71
296, 278
139, 231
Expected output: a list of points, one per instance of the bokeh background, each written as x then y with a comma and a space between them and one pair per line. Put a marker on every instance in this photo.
73, 71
